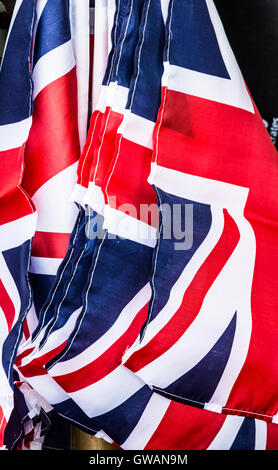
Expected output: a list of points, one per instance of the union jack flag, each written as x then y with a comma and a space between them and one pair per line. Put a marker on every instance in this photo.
17, 214
147, 339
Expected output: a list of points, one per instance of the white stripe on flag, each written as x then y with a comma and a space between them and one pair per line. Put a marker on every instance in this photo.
41, 265
107, 393
56, 213
14, 135
260, 434
199, 189
119, 223
48, 388
17, 232
227, 434
53, 65
80, 22
138, 130
148, 423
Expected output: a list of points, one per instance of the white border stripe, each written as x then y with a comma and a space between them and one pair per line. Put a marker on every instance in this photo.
14, 135
48, 388
227, 434
148, 423
108, 393
123, 225
40, 265
261, 434
53, 65
138, 130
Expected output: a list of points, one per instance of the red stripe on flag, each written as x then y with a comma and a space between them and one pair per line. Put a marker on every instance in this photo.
185, 428
15, 205
50, 245
22, 355
105, 147
129, 179
87, 156
7, 305
256, 386
11, 167
53, 142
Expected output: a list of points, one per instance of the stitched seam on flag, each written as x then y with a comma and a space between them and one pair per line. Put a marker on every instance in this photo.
157, 389
59, 279
29, 61
170, 32
139, 56
116, 74
27, 198
159, 127
152, 280
77, 422
125, 33
86, 301
85, 309
157, 192
132, 98
89, 148
65, 294
30, 104
30, 301
115, 162
108, 81
246, 411
115, 33
166, 91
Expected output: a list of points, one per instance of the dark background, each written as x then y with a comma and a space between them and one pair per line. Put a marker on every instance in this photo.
252, 29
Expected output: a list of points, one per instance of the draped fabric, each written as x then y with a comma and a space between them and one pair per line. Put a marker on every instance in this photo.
139, 232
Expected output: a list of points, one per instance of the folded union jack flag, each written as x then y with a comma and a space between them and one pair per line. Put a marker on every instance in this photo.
157, 329
17, 213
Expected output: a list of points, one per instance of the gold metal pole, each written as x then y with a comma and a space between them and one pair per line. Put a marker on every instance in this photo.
83, 441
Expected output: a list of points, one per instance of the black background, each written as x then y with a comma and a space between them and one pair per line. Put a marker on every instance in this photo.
252, 29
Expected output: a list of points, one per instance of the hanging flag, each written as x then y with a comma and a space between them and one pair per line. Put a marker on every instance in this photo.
52, 149
212, 316
17, 213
